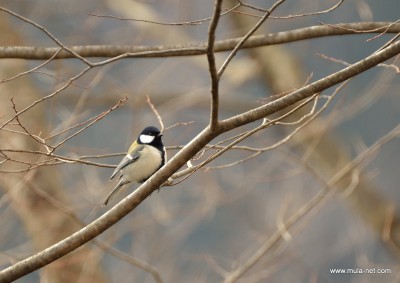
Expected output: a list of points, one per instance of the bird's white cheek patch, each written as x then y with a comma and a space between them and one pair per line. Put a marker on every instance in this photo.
146, 138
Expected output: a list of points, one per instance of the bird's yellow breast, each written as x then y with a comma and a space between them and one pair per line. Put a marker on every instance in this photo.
148, 162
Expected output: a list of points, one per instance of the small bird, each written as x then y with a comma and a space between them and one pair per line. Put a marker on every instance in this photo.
145, 156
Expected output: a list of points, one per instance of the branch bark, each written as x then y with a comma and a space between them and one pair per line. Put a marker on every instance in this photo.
115, 214
212, 65
128, 51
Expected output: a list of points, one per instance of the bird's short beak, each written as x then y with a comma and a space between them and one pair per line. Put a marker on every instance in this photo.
160, 135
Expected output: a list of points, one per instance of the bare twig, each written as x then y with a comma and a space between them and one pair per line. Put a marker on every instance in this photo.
68, 83
247, 36
310, 206
383, 32
51, 36
315, 87
186, 23
153, 108
67, 129
389, 42
56, 159
98, 118
251, 113
178, 124
330, 9
53, 159
33, 69
333, 59
34, 137
191, 170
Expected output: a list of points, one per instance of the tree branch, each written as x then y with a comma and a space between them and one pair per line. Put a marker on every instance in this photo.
312, 88
311, 205
247, 36
212, 65
54, 93
52, 37
127, 51
120, 210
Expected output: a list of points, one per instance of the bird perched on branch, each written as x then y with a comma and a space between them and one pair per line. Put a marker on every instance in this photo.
145, 156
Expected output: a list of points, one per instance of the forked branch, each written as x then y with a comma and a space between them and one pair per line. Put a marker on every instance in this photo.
120, 210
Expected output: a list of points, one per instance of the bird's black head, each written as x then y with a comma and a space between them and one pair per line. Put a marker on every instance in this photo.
151, 136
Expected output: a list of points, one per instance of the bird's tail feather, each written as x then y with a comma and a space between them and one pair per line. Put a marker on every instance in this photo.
115, 191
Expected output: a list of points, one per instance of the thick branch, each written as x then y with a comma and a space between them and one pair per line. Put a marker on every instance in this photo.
127, 51
134, 199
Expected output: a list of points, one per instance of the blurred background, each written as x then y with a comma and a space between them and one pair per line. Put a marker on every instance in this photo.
217, 219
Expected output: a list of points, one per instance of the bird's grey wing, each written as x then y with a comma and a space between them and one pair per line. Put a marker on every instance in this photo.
128, 159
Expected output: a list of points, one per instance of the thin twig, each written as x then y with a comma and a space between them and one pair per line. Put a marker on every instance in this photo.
98, 118
333, 59
178, 124
70, 128
51, 36
389, 42
383, 32
330, 9
68, 83
34, 137
247, 36
153, 108
191, 170
310, 206
240, 137
33, 69
185, 23
61, 159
